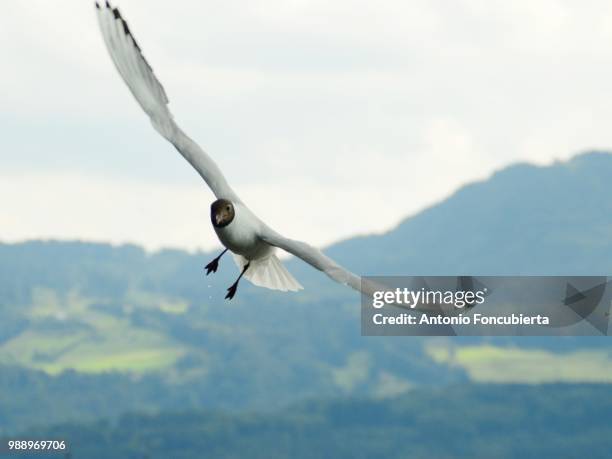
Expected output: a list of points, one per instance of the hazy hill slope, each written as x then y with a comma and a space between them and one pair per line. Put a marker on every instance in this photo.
524, 219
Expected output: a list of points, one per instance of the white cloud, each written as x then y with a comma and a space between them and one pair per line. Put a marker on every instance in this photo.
318, 112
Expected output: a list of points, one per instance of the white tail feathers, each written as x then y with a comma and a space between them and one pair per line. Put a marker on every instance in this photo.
268, 272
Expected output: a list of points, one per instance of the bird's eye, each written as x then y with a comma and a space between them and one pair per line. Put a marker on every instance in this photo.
228, 208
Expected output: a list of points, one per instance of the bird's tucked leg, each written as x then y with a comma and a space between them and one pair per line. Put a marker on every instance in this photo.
213, 265
231, 291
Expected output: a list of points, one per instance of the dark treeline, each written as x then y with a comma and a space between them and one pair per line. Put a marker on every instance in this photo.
472, 421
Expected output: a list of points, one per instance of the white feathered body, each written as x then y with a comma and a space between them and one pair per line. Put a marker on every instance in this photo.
241, 237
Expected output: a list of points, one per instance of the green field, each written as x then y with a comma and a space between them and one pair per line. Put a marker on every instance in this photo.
67, 333
486, 363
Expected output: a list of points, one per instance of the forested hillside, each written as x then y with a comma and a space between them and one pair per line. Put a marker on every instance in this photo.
86, 323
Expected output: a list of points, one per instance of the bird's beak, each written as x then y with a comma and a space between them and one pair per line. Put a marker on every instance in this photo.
218, 218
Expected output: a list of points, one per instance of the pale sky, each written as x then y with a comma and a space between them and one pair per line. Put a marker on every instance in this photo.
329, 119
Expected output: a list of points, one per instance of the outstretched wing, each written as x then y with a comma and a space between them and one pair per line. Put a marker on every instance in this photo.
150, 95
322, 262
319, 260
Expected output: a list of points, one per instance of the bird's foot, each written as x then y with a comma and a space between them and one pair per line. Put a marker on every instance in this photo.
212, 266
231, 291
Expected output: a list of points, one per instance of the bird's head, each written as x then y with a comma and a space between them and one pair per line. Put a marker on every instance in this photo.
221, 213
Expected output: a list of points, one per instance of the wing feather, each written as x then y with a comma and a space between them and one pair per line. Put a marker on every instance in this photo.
319, 260
139, 77
322, 262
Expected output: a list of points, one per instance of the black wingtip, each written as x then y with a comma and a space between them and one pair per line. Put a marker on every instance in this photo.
107, 4
126, 29
116, 13
97, 6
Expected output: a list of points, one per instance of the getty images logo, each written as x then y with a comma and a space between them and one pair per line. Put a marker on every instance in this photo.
412, 298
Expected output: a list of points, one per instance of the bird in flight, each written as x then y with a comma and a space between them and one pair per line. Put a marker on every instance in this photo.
252, 242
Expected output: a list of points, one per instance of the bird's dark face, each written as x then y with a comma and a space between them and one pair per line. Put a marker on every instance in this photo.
221, 213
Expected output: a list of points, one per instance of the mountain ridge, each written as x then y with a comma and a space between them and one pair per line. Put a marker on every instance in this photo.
537, 206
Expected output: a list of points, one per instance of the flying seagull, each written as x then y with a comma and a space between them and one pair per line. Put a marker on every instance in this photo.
252, 242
